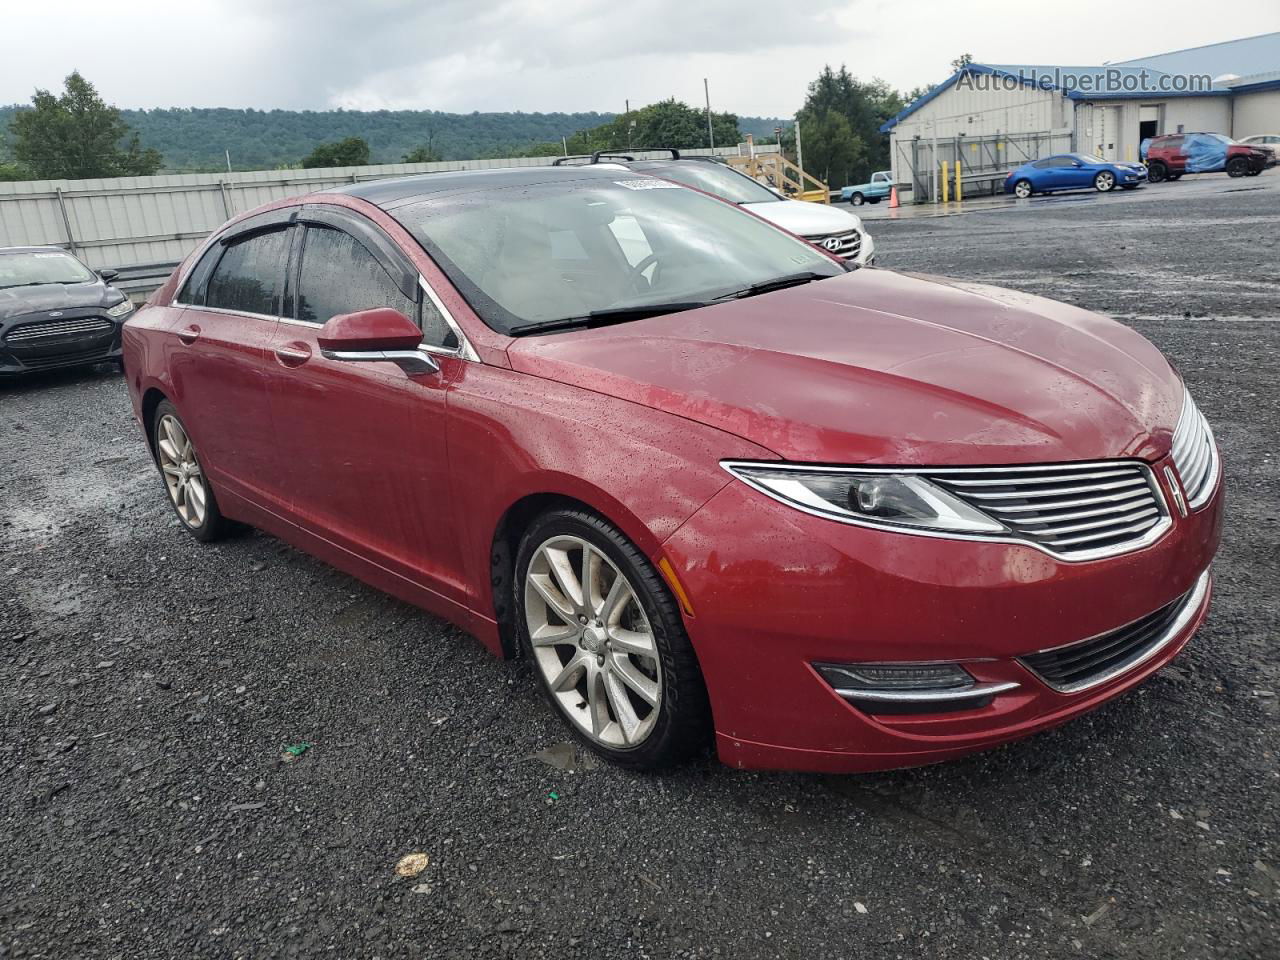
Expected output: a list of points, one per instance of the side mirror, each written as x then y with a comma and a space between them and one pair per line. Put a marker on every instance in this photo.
108, 275
381, 334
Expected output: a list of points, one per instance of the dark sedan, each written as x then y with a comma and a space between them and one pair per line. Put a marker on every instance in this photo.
56, 312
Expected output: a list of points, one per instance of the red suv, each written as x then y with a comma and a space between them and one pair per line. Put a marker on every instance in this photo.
1169, 157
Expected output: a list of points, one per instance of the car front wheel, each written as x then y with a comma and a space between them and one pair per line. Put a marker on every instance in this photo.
1156, 172
607, 643
1104, 181
1022, 189
184, 478
857, 199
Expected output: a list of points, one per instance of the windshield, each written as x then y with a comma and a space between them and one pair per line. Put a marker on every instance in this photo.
565, 249
41, 267
1090, 158
714, 178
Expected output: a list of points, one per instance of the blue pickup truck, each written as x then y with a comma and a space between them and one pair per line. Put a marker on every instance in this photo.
873, 192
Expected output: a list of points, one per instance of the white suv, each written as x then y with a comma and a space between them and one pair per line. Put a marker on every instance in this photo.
831, 228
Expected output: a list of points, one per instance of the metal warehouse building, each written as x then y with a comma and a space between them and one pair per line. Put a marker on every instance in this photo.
992, 118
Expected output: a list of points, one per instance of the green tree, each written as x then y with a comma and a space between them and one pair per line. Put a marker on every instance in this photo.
832, 151
11, 171
960, 62
76, 136
668, 123
350, 152
420, 154
864, 106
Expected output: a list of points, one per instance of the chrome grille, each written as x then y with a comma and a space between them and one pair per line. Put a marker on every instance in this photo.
1087, 663
58, 328
1195, 454
850, 243
1078, 512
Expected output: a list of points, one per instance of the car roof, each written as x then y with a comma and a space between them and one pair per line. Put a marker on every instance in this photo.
394, 193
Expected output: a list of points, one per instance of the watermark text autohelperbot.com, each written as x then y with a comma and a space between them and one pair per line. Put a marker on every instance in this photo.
1104, 80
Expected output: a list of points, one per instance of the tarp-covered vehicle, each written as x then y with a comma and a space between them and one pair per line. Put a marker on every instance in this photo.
1170, 156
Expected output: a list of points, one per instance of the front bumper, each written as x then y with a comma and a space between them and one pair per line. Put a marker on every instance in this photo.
21, 352
774, 591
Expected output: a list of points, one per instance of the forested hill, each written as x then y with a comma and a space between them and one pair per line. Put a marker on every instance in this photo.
195, 138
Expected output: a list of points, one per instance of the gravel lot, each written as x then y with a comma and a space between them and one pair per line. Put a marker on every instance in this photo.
148, 686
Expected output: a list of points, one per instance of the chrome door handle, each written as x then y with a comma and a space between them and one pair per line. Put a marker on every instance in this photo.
189, 335
293, 354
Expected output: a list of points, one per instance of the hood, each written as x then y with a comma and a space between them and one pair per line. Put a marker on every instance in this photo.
879, 367
806, 219
18, 301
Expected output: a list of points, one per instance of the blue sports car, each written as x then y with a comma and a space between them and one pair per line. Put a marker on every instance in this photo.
1073, 171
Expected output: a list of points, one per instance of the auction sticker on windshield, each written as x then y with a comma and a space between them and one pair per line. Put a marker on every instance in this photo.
648, 184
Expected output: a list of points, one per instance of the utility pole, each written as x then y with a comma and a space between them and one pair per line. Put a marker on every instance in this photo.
799, 154
711, 134
228, 153
564, 142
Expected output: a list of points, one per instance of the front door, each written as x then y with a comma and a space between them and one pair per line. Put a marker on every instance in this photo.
218, 357
362, 444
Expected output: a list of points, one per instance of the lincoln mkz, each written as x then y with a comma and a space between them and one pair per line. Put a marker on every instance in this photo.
713, 482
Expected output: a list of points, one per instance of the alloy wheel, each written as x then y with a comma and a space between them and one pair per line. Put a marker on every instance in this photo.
1104, 181
183, 477
592, 642
1022, 189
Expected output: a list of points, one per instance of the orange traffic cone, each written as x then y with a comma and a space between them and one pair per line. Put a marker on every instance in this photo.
893, 197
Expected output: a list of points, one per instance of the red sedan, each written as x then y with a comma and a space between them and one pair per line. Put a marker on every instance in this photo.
706, 478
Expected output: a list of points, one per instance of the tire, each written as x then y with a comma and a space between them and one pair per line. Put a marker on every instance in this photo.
857, 199
1254, 173
182, 476
1023, 189
581, 645
1237, 167
1156, 172
1104, 181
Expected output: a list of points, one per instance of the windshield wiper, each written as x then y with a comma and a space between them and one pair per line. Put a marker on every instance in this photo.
33, 283
777, 283
606, 316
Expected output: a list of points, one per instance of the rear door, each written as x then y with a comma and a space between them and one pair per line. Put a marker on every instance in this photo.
218, 354
361, 445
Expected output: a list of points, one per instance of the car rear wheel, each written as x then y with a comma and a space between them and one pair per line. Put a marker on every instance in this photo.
1156, 172
1104, 181
184, 479
1022, 189
606, 642
1237, 167
857, 199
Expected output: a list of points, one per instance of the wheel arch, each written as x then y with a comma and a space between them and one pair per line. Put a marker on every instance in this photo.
520, 514
151, 399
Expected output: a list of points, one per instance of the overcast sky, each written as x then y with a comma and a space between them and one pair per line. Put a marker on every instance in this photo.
551, 55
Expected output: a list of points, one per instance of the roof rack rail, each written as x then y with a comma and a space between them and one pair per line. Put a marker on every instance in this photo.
582, 158
604, 155
675, 154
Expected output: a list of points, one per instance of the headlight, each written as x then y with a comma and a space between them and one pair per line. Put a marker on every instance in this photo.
881, 499
121, 309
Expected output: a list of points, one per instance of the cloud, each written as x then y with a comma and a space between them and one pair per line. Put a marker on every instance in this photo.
551, 55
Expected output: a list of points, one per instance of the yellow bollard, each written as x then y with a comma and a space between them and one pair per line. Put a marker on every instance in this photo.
959, 192
945, 192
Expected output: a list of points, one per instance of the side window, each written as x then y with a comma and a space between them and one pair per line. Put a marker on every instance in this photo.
339, 275
1041, 164
248, 277
193, 289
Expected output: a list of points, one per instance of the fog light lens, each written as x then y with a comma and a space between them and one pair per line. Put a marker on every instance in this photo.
895, 676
